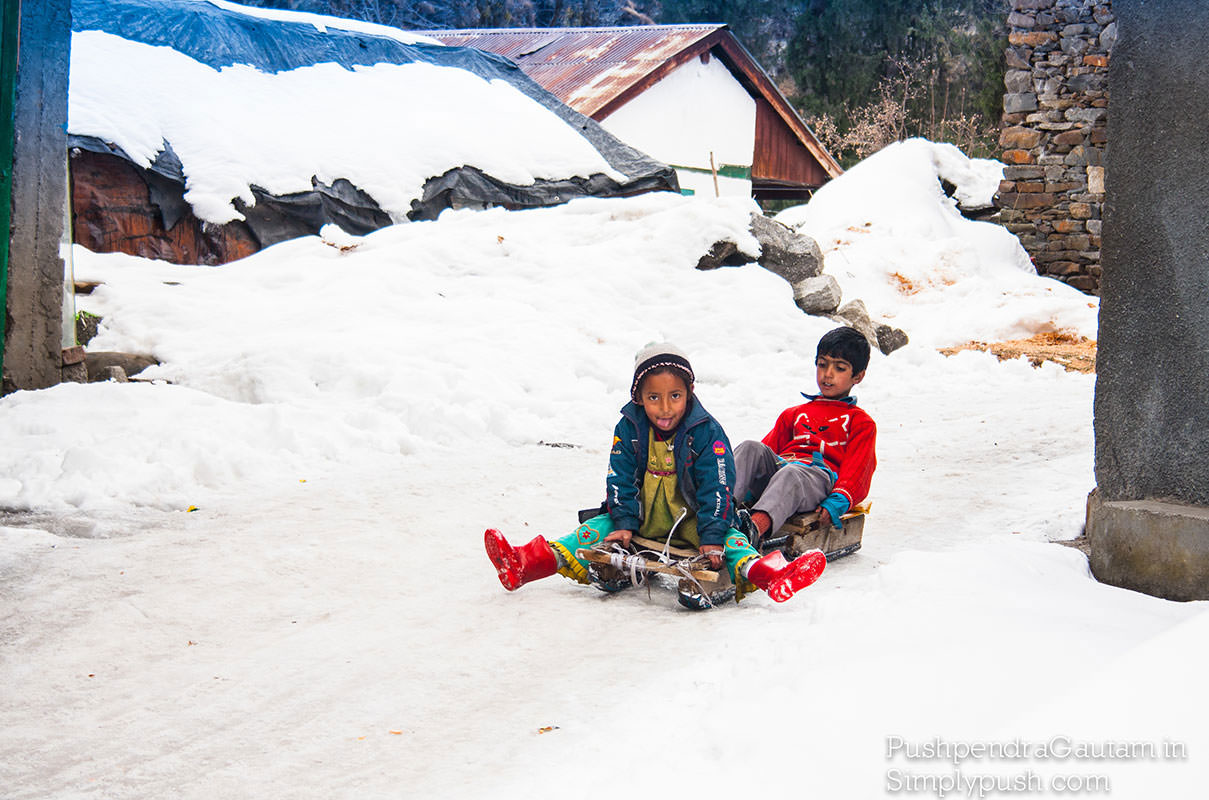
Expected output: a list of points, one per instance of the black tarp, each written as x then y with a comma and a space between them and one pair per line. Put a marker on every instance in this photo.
219, 38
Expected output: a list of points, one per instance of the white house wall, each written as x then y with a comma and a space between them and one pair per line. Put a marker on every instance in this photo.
697, 109
701, 184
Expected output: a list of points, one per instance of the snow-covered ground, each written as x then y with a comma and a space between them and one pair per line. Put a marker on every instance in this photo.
346, 423
891, 237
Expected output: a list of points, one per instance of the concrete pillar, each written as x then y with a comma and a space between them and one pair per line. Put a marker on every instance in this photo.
1148, 521
33, 338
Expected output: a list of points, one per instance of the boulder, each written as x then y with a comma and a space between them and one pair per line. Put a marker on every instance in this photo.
100, 364
793, 256
114, 373
855, 315
819, 295
723, 254
884, 337
889, 338
798, 259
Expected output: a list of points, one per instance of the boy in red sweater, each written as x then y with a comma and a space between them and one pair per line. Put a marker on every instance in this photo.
818, 455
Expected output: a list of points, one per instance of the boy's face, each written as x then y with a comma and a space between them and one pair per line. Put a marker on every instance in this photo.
664, 398
835, 378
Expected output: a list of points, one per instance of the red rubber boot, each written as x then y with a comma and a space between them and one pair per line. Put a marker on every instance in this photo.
517, 566
782, 579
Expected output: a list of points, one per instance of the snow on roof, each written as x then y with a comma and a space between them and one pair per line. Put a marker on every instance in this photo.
272, 100
323, 22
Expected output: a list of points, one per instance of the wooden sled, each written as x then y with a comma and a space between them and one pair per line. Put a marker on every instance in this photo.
683, 561
700, 586
801, 533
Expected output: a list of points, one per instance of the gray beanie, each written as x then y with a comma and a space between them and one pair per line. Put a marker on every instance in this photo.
656, 355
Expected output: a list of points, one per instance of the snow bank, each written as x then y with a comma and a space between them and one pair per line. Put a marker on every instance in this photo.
892, 238
485, 329
480, 329
477, 329
386, 128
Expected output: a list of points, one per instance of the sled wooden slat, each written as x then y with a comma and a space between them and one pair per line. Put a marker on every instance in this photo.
801, 533
597, 557
651, 544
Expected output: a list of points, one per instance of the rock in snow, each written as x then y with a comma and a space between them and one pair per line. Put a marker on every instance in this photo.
818, 295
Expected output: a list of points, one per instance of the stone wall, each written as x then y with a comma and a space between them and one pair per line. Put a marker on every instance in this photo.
1054, 132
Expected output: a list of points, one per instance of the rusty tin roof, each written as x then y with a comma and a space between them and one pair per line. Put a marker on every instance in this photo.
598, 70
586, 68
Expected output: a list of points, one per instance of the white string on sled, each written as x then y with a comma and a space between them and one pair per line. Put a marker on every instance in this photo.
684, 570
623, 560
666, 556
635, 563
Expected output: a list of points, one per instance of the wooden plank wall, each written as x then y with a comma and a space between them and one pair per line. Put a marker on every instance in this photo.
115, 213
779, 156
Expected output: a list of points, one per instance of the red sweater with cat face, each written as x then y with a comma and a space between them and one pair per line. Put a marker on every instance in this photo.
839, 432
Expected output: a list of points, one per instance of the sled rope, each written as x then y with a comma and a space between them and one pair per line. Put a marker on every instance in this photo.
665, 556
688, 575
623, 561
682, 568
637, 563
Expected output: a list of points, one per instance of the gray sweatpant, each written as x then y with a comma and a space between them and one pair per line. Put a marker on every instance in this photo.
779, 489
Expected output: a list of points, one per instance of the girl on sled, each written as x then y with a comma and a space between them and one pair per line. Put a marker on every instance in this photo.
670, 478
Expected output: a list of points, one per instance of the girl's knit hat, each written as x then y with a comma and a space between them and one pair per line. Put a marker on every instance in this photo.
656, 355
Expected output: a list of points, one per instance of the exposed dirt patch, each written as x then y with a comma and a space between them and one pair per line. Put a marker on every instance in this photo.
904, 284
1073, 352
1080, 543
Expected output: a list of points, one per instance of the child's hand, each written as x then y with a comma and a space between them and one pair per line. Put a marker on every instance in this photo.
824, 520
714, 551
620, 536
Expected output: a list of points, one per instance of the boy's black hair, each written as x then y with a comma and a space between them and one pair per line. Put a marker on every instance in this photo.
848, 344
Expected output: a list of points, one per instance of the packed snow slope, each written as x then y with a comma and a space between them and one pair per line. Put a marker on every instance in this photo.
347, 416
892, 238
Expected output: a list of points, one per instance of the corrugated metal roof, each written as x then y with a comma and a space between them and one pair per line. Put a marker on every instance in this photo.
597, 70
586, 68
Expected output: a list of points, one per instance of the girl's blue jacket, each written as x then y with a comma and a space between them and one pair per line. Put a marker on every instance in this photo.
705, 470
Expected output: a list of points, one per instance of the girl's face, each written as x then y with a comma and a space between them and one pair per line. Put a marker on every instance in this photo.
664, 398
